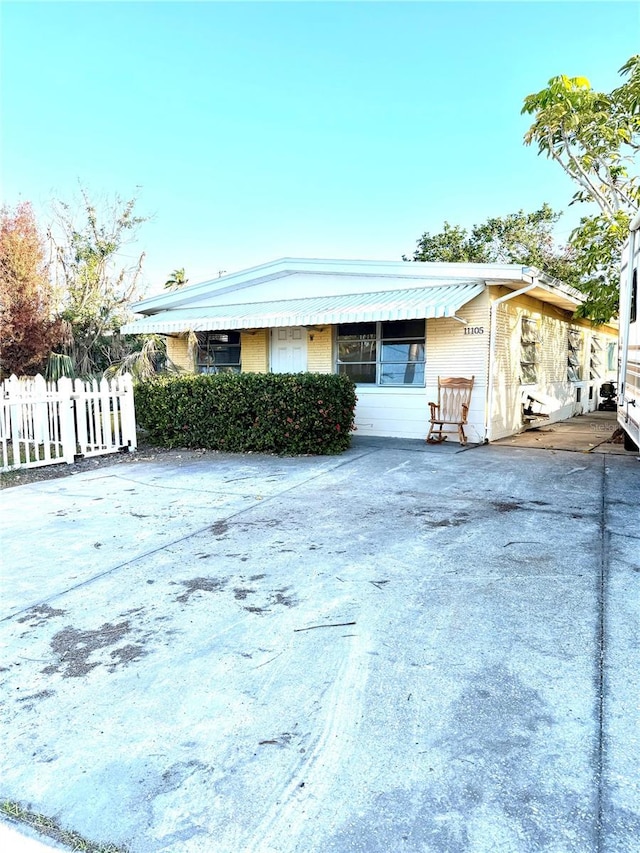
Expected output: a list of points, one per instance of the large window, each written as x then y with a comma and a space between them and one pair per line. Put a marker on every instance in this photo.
218, 352
390, 353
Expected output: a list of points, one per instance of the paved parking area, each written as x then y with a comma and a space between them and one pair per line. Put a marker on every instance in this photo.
404, 648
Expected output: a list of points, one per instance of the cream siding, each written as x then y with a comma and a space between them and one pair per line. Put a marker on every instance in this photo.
394, 412
320, 350
456, 349
178, 352
254, 351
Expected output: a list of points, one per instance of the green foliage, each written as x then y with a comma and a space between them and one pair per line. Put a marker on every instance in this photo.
289, 414
594, 137
95, 288
598, 241
58, 365
518, 238
176, 280
451, 245
145, 358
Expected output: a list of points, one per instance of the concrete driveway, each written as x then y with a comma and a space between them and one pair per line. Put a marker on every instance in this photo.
404, 648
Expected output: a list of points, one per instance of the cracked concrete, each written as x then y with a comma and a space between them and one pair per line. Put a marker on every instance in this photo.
407, 647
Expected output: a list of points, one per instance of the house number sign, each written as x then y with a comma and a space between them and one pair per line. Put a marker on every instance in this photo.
474, 330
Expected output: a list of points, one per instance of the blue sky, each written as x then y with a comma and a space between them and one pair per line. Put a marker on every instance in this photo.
309, 129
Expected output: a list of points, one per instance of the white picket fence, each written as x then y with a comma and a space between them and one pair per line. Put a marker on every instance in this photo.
42, 422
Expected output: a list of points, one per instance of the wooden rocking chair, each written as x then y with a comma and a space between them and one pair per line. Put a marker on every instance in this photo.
450, 413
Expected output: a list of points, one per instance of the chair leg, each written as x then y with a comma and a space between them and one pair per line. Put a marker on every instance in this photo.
435, 435
463, 437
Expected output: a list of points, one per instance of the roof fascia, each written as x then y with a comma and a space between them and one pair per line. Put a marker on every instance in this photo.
288, 266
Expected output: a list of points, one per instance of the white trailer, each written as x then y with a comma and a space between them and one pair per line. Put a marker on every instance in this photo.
629, 375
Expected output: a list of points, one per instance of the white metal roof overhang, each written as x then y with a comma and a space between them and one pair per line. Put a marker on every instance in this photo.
412, 304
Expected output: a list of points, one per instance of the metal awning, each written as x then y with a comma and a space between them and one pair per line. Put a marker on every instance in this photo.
412, 304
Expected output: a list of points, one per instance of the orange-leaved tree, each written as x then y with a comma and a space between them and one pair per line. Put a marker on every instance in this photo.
28, 328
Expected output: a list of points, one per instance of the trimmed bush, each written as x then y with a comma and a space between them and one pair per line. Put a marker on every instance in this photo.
284, 413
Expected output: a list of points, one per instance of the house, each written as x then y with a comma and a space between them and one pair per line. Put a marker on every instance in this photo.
395, 327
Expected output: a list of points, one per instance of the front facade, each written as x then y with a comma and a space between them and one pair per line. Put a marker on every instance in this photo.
394, 328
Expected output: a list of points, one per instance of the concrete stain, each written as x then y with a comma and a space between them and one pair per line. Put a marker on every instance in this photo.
126, 654
40, 614
201, 585
173, 777
507, 506
278, 596
240, 593
42, 694
73, 649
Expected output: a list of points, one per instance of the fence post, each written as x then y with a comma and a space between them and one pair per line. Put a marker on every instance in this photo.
128, 413
40, 418
67, 431
80, 409
5, 427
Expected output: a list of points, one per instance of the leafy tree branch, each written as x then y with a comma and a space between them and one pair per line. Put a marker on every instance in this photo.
594, 138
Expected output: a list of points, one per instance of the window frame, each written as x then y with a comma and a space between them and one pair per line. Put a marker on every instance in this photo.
575, 354
206, 364
530, 358
379, 344
595, 359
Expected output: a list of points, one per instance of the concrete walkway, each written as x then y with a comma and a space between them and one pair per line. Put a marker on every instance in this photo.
404, 648
590, 433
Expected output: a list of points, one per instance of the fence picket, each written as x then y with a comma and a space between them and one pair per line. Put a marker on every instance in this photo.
105, 412
128, 413
80, 416
66, 420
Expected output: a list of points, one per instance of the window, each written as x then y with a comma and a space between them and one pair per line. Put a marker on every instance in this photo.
218, 352
357, 348
390, 353
575, 347
529, 351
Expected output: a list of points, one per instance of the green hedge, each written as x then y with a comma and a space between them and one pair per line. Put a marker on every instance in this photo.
285, 413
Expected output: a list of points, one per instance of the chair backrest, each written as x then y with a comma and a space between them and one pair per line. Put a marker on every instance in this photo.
453, 394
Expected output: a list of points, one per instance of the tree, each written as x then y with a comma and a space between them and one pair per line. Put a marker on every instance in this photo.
176, 280
594, 137
518, 238
95, 284
28, 329
451, 245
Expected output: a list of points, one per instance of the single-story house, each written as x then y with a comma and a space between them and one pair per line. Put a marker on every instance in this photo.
394, 328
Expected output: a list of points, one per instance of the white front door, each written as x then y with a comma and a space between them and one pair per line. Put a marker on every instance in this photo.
289, 350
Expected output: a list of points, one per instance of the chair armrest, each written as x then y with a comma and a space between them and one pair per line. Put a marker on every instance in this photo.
465, 411
434, 409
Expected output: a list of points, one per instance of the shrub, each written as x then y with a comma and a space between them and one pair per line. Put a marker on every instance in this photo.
284, 413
